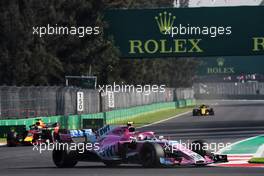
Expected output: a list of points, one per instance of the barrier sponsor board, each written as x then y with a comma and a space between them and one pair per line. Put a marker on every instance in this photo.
190, 32
229, 65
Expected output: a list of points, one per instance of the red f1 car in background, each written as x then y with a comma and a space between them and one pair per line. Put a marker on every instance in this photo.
38, 133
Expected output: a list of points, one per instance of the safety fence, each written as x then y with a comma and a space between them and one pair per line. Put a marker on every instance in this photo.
21, 102
229, 90
28, 102
96, 119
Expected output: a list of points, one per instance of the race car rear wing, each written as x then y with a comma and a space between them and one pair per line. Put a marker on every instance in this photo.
84, 135
77, 136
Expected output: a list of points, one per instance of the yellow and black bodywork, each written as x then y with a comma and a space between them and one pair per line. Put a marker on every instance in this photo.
29, 138
203, 110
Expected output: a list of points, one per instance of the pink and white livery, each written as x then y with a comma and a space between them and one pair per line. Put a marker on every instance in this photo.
115, 145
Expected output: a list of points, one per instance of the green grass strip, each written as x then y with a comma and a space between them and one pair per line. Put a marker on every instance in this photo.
154, 116
2, 140
256, 160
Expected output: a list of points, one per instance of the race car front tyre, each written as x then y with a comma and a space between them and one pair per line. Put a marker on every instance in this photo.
195, 112
211, 112
64, 158
150, 155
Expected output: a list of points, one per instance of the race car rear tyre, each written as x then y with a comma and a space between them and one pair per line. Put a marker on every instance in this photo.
64, 158
198, 147
11, 143
11, 139
150, 155
211, 112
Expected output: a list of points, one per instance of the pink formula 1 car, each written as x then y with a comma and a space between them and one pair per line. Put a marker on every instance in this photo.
122, 144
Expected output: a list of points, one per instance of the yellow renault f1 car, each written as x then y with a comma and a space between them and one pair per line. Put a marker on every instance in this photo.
203, 110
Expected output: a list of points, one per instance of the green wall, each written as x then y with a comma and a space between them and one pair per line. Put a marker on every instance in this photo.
110, 117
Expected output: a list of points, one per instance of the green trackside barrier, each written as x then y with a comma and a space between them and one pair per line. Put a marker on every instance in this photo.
66, 122
90, 116
4, 130
110, 117
54, 119
92, 120
128, 113
181, 103
74, 122
190, 102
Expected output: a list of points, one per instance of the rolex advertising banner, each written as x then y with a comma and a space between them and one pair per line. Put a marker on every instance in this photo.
218, 31
231, 65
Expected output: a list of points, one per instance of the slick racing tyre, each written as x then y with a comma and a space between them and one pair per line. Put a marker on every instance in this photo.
195, 112
64, 158
211, 112
11, 139
150, 155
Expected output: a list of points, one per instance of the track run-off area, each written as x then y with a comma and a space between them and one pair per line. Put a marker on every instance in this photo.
236, 122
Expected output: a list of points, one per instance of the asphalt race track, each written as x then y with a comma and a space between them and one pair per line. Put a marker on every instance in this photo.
233, 121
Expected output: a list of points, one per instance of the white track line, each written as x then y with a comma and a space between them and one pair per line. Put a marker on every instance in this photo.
240, 155
160, 121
